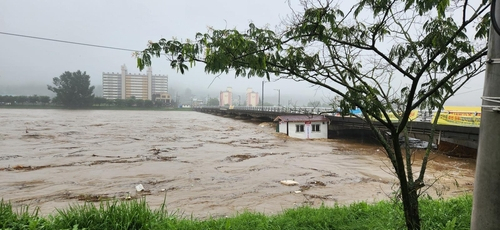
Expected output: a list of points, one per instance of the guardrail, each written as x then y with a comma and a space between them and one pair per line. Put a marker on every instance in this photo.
423, 116
275, 109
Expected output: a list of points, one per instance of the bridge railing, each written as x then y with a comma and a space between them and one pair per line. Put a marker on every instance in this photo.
274, 109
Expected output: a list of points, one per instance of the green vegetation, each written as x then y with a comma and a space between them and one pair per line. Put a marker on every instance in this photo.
387, 58
436, 214
73, 89
24, 100
17, 106
213, 102
44, 102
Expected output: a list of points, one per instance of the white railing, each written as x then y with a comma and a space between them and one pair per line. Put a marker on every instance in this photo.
275, 109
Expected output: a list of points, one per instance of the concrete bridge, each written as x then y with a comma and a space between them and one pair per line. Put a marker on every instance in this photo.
454, 140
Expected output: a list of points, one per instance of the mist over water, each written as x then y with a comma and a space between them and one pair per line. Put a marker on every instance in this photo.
204, 165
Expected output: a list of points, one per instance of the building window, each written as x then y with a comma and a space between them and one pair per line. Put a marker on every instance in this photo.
315, 127
299, 128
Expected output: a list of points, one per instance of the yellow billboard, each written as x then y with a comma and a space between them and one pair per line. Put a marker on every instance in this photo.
460, 116
412, 117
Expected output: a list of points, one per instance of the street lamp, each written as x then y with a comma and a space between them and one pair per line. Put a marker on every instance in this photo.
262, 104
279, 95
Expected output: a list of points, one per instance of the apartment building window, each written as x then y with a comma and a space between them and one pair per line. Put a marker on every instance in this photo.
299, 128
315, 127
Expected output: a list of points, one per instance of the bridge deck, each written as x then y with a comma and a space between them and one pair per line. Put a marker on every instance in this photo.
466, 136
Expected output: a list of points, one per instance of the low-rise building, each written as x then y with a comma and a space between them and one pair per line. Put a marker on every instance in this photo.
303, 126
197, 102
164, 98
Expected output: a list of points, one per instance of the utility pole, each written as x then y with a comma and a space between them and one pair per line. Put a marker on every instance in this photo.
262, 105
279, 95
486, 205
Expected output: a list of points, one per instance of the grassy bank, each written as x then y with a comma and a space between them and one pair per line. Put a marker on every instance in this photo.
436, 214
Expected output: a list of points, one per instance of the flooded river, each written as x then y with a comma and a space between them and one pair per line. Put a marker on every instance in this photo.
205, 165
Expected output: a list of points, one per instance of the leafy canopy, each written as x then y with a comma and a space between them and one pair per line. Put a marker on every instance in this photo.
382, 56
354, 52
73, 89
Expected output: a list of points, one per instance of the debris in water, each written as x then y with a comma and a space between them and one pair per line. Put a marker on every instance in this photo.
139, 188
317, 183
240, 157
155, 151
289, 182
304, 187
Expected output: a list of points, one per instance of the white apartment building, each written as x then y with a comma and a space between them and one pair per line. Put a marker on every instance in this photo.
141, 86
252, 98
226, 97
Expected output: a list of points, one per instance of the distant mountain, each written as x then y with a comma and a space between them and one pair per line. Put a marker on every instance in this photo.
32, 89
28, 89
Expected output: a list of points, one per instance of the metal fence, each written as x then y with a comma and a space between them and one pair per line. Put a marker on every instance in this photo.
276, 109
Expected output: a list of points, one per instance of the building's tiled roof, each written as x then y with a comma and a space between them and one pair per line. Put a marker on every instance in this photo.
298, 118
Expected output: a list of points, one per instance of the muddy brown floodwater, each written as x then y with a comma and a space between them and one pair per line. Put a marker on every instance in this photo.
204, 165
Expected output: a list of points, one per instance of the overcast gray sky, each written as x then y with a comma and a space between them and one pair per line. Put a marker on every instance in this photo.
130, 24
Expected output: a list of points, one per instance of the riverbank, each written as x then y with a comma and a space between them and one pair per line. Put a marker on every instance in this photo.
103, 107
451, 213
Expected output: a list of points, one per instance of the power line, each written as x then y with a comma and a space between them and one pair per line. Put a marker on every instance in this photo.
68, 42
468, 91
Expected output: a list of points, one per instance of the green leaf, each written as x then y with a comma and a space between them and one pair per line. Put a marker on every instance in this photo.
442, 6
139, 64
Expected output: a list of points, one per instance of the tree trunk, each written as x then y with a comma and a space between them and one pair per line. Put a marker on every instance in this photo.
410, 204
408, 193
413, 219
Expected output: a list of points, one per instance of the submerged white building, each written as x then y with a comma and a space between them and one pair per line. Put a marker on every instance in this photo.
303, 126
